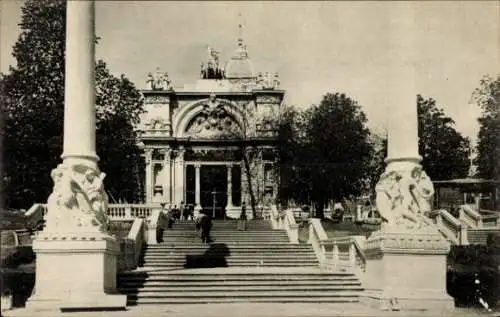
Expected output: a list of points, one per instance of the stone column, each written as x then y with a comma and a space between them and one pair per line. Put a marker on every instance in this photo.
149, 175
76, 258
167, 173
229, 186
179, 176
197, 191
407, 241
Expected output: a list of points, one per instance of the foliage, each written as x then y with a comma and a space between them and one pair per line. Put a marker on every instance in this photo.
33, 102
327, 151
444, 151
487, 97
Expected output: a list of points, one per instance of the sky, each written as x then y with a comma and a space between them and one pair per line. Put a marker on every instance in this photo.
316, 47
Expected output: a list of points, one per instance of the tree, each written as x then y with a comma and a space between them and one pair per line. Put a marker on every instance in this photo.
487, 97
33, 103
341, 149
444, 151
330, 155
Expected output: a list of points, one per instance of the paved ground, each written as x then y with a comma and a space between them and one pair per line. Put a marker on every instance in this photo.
257, 310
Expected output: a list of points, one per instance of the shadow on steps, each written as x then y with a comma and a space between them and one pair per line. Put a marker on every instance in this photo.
214, 256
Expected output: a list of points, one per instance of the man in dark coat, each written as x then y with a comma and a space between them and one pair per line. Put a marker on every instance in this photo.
204, 224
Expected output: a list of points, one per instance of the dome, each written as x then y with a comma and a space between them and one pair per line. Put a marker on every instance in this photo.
240, 65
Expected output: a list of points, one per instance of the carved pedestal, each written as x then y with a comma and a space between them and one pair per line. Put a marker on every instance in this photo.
75, 271
407, 270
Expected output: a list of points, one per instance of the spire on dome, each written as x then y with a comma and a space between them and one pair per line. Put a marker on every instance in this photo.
241, 51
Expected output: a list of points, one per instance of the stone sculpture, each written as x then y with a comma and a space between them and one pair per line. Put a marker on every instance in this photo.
78, 201
158, 81
403, 197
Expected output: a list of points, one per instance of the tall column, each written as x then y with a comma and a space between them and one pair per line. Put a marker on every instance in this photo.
197, 191
149, 175
167, 174
403, 195
79, 94
229, 186
75, 245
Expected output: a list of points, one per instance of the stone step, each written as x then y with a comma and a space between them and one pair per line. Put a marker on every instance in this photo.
226, 234
239, 288
240, 282
241, 249
256, 257
183, 276
241, 254
260, 244
265, 264
248, 294
274, 299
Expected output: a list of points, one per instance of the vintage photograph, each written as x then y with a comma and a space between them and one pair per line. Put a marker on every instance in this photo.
250, 159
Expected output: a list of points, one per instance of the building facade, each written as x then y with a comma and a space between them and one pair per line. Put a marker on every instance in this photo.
213, 144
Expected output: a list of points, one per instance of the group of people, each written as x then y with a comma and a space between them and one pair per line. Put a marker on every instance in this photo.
173, 213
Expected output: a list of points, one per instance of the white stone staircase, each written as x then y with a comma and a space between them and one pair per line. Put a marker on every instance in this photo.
256, 265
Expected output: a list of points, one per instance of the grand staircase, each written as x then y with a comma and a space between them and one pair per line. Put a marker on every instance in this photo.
256, 265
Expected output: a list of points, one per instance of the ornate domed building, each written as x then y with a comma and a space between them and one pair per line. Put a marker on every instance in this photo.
212, 144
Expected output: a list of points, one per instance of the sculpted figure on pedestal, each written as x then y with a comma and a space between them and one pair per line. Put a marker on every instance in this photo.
78, 199
404, 197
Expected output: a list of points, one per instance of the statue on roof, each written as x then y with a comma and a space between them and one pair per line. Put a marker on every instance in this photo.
212, 70
276, 81
158, 81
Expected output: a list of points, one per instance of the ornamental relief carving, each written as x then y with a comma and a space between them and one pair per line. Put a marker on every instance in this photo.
158, 124
156, 99
213, 121
268, 99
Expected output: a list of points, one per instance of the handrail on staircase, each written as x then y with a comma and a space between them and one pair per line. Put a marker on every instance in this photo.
291, 227
274, 216
284, 220
317, 239
469, 216
453, 229
131, 246
352, 245
336, 253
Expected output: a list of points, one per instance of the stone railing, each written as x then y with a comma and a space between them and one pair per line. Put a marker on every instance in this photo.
34, 216
154, 224
131, 246
318, 239
287, 222
116, 212
491, 219
274, 217
284, 220
470, 217
347, 254
344, 253
131, 211
452, 229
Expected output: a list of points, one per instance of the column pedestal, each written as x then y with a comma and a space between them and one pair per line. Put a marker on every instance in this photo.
406, 270
75, 271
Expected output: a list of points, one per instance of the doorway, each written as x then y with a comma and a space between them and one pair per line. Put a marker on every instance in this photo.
213, 190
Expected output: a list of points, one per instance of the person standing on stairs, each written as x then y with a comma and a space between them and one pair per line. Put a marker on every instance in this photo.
203, 227
242, 221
